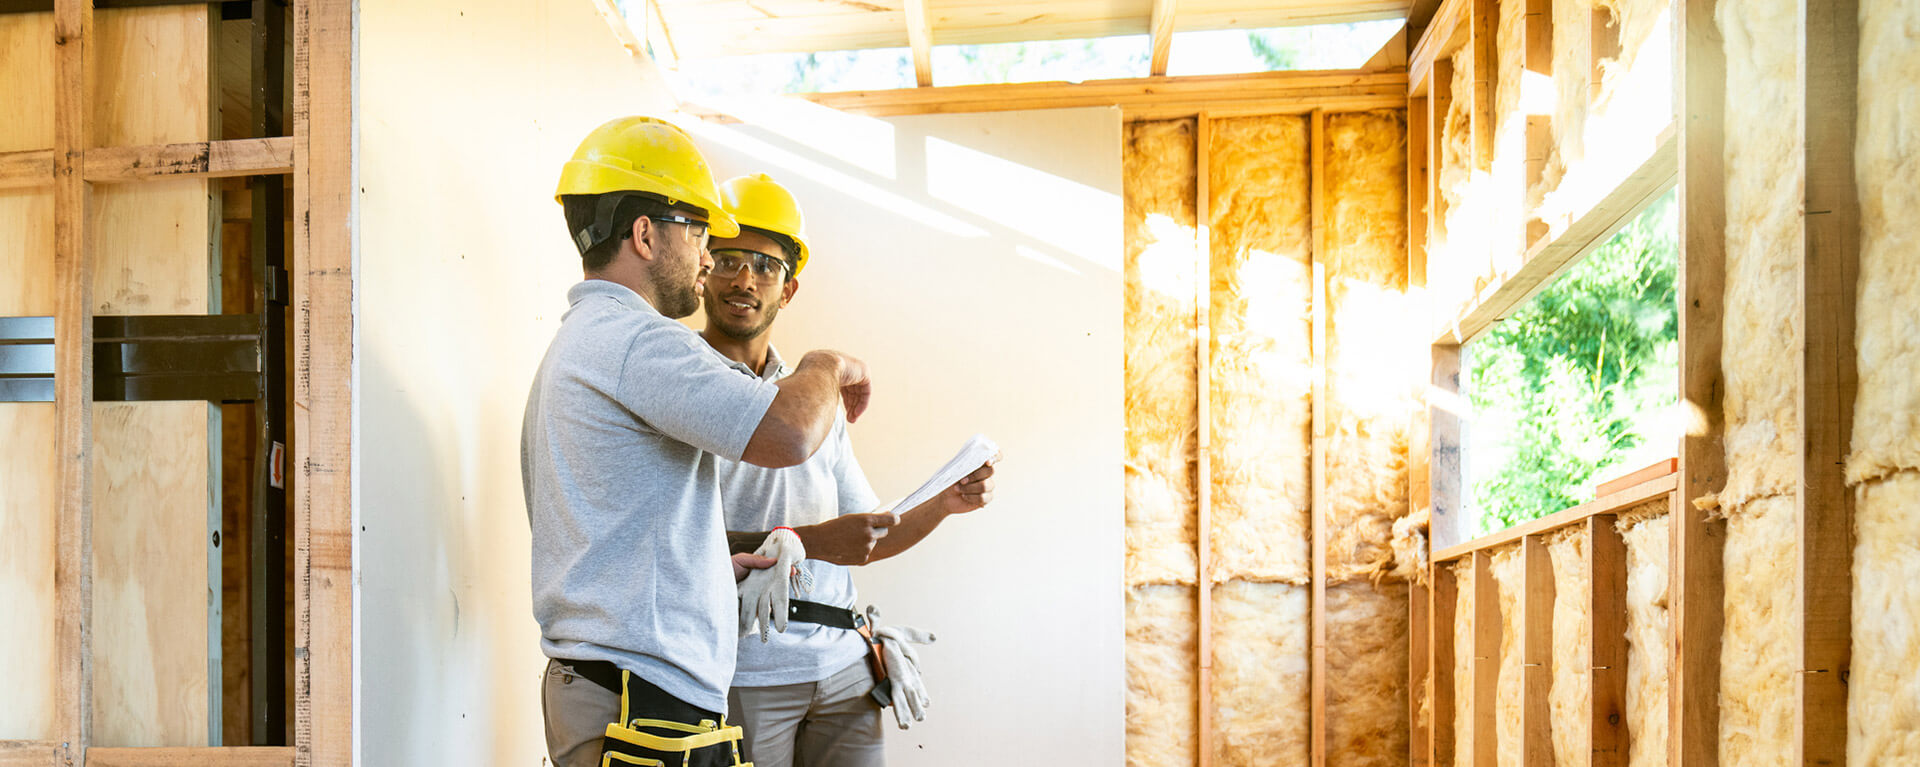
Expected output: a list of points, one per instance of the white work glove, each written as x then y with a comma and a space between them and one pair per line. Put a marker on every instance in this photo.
763, 593
903, 668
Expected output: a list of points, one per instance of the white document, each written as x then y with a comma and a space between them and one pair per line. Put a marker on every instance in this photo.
977, 451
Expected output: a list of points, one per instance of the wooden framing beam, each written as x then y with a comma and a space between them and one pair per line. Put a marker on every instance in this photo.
1419, 671
1536, 648
1446, 481
1696, 583
198, 159
249, 756
1203, 465
1443, 32
1482, 24
1317, 623
1604, 505
920, 39
666, 35
322, 505
1149, 98
1829, 274
73, 376
1420, 620
1161, 28
1439, 103
1606, 649
1486, 662
1445, 598
31, 753
1537, 52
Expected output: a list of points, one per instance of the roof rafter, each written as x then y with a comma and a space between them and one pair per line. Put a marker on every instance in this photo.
1162, 27
920, 36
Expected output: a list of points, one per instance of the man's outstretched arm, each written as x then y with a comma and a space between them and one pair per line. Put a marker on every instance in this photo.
802, 414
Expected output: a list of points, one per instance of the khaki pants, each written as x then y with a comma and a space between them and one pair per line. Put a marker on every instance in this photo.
829, 723
577, 713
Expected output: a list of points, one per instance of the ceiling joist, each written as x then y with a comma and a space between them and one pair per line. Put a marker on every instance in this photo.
1161, 26
920, 38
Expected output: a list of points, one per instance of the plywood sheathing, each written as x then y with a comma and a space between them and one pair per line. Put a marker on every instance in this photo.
1649, 637
151, 84
1162, 676
1260, 674
1260, 371
1570, 695
1367, 714
1158, 167
1883, 707
1371, 358
29, 475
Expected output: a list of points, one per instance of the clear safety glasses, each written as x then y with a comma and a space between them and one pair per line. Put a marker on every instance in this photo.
695, 229
767, 270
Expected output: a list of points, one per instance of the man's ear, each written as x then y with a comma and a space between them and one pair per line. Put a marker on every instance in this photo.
787, 291
641, 227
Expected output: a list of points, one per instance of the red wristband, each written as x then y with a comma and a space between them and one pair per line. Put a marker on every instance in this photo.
782, 527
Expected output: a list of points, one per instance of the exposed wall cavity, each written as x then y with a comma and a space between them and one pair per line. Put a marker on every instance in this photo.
1260, 674
1757, 646
1367, 674
1162, 675
1568, 697
1649, 627
1509, 573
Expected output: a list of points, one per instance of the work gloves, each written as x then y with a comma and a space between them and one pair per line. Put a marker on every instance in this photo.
764, 593
903, 668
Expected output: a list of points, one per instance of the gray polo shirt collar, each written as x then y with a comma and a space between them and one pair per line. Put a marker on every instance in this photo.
589, 288
776, 367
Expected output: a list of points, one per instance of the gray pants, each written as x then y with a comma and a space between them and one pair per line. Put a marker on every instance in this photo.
829, 723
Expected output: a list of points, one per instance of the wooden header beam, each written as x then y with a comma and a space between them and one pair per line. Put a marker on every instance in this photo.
201, 159
1161, 26
1605, 505
1148, 97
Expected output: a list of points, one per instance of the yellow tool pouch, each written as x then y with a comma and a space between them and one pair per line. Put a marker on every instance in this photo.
664, 743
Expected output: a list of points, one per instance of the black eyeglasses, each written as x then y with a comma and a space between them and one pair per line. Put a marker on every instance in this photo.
728, 262
696, 229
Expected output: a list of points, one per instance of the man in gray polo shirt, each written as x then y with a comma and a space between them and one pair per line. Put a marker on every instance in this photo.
627, 418
802, 695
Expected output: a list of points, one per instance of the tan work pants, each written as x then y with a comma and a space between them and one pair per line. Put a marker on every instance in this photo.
829, 723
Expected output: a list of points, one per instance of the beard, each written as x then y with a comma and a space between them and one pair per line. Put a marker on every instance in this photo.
736, 329
676, 280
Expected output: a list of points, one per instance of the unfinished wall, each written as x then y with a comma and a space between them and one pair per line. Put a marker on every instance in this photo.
1649, 637
1569, 696
29, 473
1367, 674
1463, 614
1161, 383
1509, 573
1883, 712
446, 643
1261, 354
1160, 272
1260, 674
1761, 333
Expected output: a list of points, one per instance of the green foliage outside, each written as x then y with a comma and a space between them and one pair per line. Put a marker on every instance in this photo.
1569, 389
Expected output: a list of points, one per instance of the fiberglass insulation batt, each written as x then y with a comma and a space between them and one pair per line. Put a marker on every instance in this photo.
1158, 165
1509, 572
1162, 686
1883, 707
1261, 381
1763, 242
1568, 697
1367, 674
1260, 674
1370, 354
1648, 627
1463, 608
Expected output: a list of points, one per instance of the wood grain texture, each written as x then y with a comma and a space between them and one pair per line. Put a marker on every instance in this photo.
1632, 496
322, 496
1606, 642
73, 375
1536, 647
191, 757
1160, 29
1317, 668
1696, 582
920, 40
1145, 98
1203, 443
1486, 662
1443, 614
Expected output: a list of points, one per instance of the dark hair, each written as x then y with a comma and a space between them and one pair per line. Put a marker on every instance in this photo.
598, 247
788, 247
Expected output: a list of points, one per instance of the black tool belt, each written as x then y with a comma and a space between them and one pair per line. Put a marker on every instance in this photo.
843, 618
654, 728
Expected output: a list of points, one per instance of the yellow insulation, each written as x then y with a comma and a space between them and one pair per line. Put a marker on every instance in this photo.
1463, 663
1886, 415
1568, 697
1261, 355
1162, 687
1756, 651
1459, 258
1511, 199
1158, 164
1572, 58
1410, 545
1259, 674
1370, 355
1763, 239
1883, 705
1642, 73
1649, 627
1509, 571
1367, 674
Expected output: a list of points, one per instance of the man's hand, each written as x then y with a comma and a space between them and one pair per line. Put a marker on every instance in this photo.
743, 563
971, 492
847, 539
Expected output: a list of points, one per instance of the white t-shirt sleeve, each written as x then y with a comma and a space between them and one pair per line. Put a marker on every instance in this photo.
856, 495
683, 388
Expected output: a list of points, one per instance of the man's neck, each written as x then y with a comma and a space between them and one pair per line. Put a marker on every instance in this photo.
751, 352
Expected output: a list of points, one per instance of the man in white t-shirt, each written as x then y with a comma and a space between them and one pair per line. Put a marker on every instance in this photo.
802, 695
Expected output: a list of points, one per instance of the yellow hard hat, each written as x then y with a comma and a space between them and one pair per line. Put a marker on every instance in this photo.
762, 203
646, 154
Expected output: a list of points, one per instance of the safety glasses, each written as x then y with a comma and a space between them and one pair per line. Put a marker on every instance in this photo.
695, 229
767, 270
